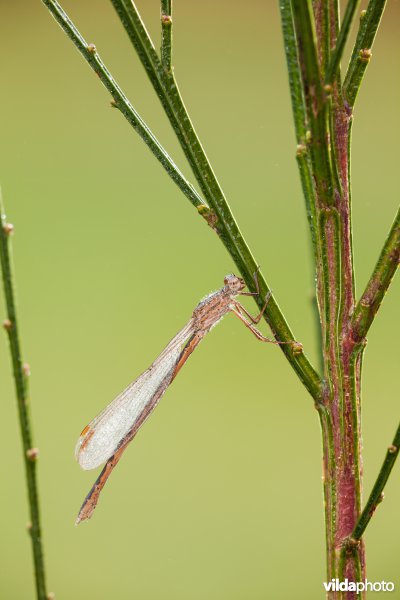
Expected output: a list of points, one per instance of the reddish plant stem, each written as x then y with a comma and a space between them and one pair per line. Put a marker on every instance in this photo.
342, 355
348, 438
314, 24
349, 485
321, 26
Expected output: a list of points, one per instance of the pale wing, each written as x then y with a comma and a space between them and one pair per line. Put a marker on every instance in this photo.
101, 437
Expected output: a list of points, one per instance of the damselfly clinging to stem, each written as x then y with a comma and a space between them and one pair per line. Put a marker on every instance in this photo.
107, 436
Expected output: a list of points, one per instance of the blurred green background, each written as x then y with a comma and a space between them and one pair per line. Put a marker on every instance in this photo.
220, 495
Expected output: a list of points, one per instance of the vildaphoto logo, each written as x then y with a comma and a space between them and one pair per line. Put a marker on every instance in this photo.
335, 585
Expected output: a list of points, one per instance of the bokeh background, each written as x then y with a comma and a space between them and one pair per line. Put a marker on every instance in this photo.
220, 496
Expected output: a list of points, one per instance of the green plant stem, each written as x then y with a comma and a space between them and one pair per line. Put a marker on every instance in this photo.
340, 409
376, 495
378, 284
352, 543
292, 61
300, 125
166, 34
299, 111
165, 86
20, 379
315, 100
321, 18
167, 90
362, 50
224, 223
121, 102
337, 53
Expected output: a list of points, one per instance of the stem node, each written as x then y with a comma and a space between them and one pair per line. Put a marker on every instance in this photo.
26, 369
7, 324
365, 55
8, 228
208, 215
301, 150
297, 348
32, 454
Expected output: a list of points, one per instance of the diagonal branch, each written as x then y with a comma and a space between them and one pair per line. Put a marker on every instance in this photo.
362, 49
337, 53
121, 102
376, 495
21, 373
378, 284
221, 216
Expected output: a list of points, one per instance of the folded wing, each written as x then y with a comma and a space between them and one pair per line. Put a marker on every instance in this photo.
101, 438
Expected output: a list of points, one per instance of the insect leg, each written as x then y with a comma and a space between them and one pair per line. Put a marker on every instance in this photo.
256, 319
253, 329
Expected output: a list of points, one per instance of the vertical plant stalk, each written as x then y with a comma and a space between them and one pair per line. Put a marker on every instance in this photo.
302, 150
328, 242
315, 100
352, 339
21, 372
321, 10
330, 124
329, 115
347, 481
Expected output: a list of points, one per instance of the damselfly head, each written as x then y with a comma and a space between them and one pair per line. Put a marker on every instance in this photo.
234, 284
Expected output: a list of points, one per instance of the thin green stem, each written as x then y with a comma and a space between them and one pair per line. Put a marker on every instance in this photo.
167, 90
293, 67
378, 284
222, 219
315, 100
376, 495
299, 112
21, 373
337, 53
121, 102
162, 81
321, 18
362, 49
300, 125
166, 34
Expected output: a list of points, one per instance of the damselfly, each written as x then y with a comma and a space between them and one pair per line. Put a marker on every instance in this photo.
107, 436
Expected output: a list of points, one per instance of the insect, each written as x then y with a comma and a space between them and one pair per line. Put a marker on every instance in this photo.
106, 437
